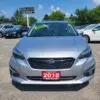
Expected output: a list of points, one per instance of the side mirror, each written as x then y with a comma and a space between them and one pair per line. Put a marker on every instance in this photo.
25, 34
94, 30
81, 33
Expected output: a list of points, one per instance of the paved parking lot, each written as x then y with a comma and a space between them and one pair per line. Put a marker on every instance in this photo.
8, 91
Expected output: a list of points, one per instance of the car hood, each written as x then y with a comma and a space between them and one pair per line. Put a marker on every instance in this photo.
80, 30
86, 31
51, 47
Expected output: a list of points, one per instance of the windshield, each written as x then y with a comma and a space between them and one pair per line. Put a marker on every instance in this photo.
52, 29
90, 26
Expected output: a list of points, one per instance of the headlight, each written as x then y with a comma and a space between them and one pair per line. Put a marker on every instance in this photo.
86, 53
18, 55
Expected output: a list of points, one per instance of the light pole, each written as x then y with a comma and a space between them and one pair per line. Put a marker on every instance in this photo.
27, 11
28, 21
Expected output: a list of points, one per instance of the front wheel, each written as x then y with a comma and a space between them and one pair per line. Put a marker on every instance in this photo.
18, 35
87, 38
1, 35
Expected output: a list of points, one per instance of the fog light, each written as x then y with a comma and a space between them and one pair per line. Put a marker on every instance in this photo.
90, 71
13, 72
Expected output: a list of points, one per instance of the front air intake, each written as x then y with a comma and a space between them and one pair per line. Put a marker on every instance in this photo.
51, 63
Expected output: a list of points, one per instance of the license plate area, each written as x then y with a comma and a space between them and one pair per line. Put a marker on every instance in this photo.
51, 76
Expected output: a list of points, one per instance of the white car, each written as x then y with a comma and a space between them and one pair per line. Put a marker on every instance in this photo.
92, 33
87, 27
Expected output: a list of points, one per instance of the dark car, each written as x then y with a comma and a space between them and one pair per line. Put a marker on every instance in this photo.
24, 29
12, 33
4, 28
17, 31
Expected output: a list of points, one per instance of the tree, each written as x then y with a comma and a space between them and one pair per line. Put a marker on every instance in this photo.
96, 14
2, 18
32, 20
71, 19
19, 18
13, 20
86, 16
46, 17
81, 16
55, 15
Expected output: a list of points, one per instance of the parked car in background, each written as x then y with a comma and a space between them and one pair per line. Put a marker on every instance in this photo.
12, 34
86, 28
92, 32
17, 31
4, 28
24, 29
80, 28
52, 53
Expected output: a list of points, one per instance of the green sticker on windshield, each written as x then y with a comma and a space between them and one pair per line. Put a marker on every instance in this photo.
38, 27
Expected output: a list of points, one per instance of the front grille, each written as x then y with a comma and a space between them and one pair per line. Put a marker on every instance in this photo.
62, 78
51, 63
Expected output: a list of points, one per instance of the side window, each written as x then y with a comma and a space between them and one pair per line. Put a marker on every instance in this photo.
97, 27
8, 26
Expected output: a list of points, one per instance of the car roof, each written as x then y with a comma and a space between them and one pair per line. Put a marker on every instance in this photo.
98, 24
53, 22
6, 24
17, 25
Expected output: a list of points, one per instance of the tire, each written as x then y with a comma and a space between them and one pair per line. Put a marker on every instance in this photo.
6, 37
1, 35
87, 38
18, 36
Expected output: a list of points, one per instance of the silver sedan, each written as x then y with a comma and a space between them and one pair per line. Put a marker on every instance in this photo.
52, 53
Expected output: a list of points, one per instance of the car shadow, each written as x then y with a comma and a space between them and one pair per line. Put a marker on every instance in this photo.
49, 88
96, 42
11, 38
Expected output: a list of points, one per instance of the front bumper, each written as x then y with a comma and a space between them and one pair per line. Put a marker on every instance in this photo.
10, 35
80, 81
79, 69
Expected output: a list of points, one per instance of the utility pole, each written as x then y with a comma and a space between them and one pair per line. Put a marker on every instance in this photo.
28, 21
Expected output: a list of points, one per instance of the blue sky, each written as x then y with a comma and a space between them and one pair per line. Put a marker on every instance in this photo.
8, 7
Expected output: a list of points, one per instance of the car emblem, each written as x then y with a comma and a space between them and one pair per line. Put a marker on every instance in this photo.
51, 61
